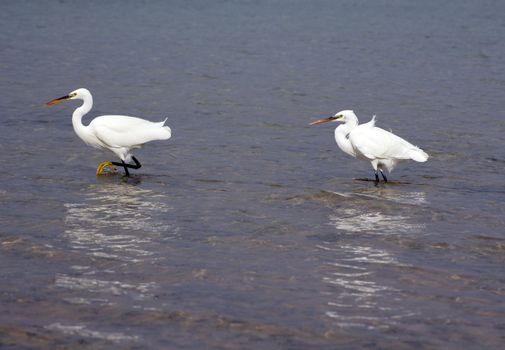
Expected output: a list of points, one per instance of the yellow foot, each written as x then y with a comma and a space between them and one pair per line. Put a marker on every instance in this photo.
106, 168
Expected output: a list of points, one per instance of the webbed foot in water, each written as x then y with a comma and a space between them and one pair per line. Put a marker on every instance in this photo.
106, 168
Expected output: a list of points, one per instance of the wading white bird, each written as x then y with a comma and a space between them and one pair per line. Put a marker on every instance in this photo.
117, 133
366, 141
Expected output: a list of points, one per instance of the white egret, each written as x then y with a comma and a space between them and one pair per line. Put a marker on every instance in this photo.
366, 141
117, 133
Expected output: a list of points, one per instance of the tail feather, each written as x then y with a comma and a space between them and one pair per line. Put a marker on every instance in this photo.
168, 131
162, 131
418, 155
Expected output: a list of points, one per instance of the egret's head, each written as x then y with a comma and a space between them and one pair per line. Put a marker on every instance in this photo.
76, 94
342, 116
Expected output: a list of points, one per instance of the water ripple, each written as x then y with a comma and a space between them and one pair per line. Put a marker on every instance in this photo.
83, 331
356, 267
357, 292
120, 222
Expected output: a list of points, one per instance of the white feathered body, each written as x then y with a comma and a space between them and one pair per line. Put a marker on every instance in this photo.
382, 148
120, 134
117, 133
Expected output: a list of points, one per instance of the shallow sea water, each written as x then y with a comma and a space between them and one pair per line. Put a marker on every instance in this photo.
249, 229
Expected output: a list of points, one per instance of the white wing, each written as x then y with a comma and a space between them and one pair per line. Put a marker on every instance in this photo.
123, 131
376, 143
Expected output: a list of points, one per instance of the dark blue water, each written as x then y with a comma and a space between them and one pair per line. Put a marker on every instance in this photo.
248, 229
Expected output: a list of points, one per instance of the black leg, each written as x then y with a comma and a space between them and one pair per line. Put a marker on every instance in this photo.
384, 177
126, 166
137, 163
376, 177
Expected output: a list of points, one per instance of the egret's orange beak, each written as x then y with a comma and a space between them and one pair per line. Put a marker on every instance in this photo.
58, 100
324, 120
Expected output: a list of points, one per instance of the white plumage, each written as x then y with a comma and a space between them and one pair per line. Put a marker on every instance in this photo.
368, 142
118, 133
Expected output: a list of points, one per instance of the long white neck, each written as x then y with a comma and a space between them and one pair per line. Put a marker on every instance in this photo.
80, 129
342, 135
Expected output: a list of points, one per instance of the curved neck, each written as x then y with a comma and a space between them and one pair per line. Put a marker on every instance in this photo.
342, 137
351, 121
79, 128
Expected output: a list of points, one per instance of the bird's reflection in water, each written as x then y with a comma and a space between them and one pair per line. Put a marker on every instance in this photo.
353, 220
118, 221
358, 267
394, 195
120, 226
